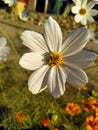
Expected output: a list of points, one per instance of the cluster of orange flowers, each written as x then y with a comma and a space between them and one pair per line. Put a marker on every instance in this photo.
91, 123
91, 105
72, 109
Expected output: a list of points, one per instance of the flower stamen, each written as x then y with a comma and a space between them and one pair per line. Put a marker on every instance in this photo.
55, 59
82, 11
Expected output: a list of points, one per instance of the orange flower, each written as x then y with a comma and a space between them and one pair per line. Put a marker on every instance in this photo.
91, 123
96, 124
55, 129
19, 116
90, 104
89, 107
72, 109
84, 88
45, 121
96, 111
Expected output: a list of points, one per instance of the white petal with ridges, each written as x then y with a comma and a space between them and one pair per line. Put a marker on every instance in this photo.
37, 80
3, 53
56, 81
82, 59
93, 12
78, 3
78, 18
90, 18
84, 3
3, 42
91, 4
75, 41
31, 61
75, 9
35, 41
75, 76
84, 20
53, 34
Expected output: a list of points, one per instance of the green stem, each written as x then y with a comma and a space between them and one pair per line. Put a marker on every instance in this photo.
69, 125
78, 95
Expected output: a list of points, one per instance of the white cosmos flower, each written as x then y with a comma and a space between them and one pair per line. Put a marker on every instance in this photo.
74, 1
23, 16
54, 62
9, 2
84, 11
96, 1
4, 50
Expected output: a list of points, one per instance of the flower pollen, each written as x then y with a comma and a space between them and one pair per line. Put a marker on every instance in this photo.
82, 11
55, 59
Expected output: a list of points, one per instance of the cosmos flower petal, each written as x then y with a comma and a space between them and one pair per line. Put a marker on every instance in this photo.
82, 59
31, 61
84, 20
75, 76
84, 3
91, 4
78, 18
75, 9
56, 81
78, 3
53, 34
4, 50
37, 80
42, 88
9, 2
3, 53
75, 41
90, 18
35, 41
93, 12
3, 42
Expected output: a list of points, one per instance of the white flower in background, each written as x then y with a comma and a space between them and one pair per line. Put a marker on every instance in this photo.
84, 11
4, 50
74, 1
23, 16
92, 36
9, 2
96, 1
54, 62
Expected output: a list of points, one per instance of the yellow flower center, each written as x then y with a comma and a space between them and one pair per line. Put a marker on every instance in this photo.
55, 59
83, 11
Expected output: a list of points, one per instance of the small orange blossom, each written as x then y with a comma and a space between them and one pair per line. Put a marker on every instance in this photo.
72, 109
45, 121
19, 116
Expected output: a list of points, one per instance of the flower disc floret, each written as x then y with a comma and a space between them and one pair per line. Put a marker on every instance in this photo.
55, 59
83, 11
